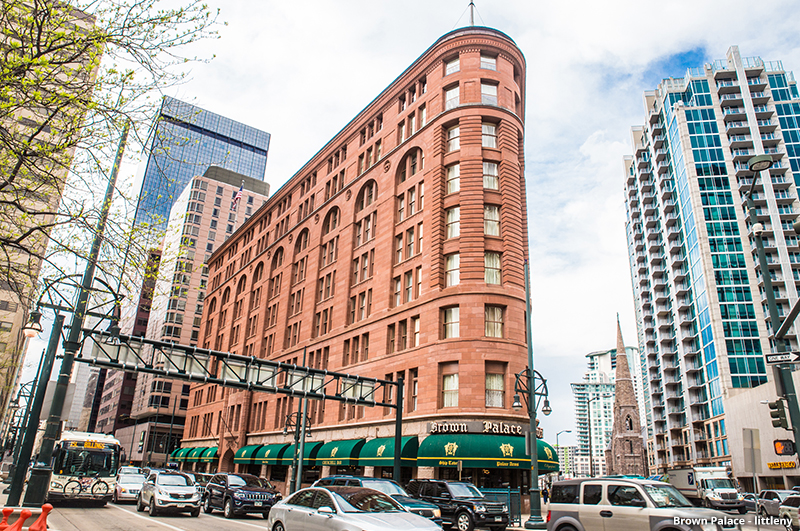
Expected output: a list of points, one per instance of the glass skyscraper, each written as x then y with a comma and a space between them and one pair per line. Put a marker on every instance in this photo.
699, 296
185, 141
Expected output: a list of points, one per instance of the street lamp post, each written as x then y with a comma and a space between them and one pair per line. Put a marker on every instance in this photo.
558, 449
784, 371
533, 394
295, 422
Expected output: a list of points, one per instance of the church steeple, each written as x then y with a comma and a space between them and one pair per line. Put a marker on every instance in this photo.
626, 452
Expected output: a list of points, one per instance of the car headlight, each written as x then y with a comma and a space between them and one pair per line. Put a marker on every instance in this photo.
505, 508
238, 495
437, 513
713, 496
480, 508
278, 496
56, 485
739, 497
123, 489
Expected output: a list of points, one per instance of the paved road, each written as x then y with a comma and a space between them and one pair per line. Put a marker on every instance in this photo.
123, 517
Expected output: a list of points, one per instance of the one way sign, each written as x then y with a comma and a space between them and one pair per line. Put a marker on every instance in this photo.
783, 357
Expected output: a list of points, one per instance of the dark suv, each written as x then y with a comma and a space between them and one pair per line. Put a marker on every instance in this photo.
237, 494
462, 504
390, 488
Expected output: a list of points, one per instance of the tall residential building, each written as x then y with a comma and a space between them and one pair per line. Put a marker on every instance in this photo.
203, 216
596, 391
397, 251
185, 141
698, 292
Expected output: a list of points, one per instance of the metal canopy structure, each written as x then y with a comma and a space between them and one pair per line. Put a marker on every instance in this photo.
182, 362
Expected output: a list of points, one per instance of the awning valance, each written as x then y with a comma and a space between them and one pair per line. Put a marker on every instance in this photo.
245, 454
485, 451
340, 453
270, 454
380, 452
310, 450
193, 456
209, 455
179, 454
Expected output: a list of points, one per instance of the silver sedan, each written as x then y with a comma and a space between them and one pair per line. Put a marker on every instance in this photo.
341, 509
128, 487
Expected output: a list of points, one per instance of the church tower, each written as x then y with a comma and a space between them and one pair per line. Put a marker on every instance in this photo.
625, 455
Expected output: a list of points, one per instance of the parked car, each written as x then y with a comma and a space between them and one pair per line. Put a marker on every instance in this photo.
128, 487
750, 501
238, 494
789, 510
169, 491
770, 501
335, 508
461, 503
625, 503
388, 487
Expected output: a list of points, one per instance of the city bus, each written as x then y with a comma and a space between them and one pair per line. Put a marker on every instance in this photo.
84, 467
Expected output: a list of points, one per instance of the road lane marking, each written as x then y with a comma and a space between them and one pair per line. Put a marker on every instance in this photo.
240, 522
148, 518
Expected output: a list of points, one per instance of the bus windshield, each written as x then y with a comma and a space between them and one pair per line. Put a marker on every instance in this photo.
79, 461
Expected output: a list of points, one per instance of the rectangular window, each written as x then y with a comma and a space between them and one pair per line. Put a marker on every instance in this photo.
491, 220
398, 292
492, 267
401, 207
491, 179
418, 286
489, 135
423, 117
419, 238
412, 201
413, 389
421, 196
495, 390
450, 322
452, 222
451, 100
453, 140
402, 335
409, 286
410, 242
488, 62
450, 390
494, 321
398, 248
453, 179
390, 339
451, 269
452, 66
488, 94
415, 331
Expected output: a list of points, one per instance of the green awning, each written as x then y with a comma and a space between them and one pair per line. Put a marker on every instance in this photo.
380, 452
270, 454
209, 455
179, 454
193, 456
340, 453
310, 450
484, 451
245, 454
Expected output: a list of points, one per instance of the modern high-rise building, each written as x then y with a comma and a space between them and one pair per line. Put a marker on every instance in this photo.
594, 401
203, 216
698, 292
397, 251
185, 141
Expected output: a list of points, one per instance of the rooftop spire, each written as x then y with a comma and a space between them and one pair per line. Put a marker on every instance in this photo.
471, 13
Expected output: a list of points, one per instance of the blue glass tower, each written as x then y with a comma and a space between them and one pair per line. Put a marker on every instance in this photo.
697, 288
185, 141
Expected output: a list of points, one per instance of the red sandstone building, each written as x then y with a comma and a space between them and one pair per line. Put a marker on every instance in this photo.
397, 250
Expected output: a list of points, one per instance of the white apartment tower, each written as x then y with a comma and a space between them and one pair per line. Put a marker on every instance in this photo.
696, 285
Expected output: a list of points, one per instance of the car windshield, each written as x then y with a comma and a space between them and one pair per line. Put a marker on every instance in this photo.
130, 470
719, 483
666, 496
201, 479
174, 480
131, 479
367, 501
783, 494
465, 490
246, 481
387, 487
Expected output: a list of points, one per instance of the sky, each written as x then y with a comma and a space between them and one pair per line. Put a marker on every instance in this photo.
302, 70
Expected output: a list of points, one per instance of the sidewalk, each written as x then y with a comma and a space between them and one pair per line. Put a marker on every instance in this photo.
525, 517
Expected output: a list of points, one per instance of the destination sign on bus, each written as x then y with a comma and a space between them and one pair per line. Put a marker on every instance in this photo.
92, 445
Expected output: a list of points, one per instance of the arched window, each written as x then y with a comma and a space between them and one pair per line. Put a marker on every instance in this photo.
331, 221
259, 273
367, 195
277, 260
302, 241
411, 164
212, 306
241, 285
628, 423
226, 295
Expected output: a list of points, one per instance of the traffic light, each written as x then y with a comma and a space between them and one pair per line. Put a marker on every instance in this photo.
778, 413
783, 447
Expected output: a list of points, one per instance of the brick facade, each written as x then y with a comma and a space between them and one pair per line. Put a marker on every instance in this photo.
317, 268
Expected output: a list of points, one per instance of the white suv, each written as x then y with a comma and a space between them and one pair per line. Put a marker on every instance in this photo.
626, 504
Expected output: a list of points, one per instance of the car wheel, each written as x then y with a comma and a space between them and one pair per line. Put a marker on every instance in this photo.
139, 504
278, 527
196, 512
153, 510
763, 512
742, 510
207, 505
115, 499
228, 509
464, 521
498, 528
265, 515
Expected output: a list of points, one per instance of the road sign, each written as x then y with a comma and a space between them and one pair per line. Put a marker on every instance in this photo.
783, 357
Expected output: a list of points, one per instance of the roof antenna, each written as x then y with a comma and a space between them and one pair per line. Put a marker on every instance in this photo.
471, 13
